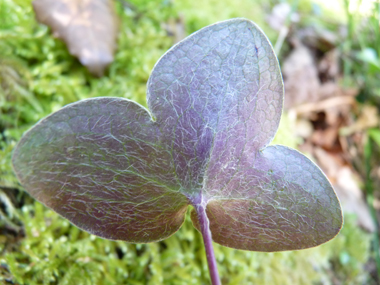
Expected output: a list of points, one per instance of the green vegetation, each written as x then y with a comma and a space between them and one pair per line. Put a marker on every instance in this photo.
39, 76
361, 51
56, 252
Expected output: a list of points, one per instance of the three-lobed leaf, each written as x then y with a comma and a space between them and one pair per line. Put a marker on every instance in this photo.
119, 171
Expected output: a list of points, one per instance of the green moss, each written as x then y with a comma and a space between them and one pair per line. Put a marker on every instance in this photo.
200, 14
38, 76
285, 134
56, 252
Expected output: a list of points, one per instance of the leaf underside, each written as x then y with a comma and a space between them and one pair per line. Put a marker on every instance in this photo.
122, 172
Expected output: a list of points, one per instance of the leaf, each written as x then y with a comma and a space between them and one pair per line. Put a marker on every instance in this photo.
283, 202
88, 27
120, 171
302, 83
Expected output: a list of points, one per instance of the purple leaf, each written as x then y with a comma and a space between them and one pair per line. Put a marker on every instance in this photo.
215, 100
281, 202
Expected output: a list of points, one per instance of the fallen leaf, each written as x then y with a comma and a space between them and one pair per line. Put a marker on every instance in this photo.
351, 198
300, 77
88, 27
325, 138
308, 80
325, 104
346, 185
329, 64
368, 119
317, 37
330, 163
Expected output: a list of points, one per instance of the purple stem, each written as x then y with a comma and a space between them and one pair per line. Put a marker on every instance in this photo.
206, 233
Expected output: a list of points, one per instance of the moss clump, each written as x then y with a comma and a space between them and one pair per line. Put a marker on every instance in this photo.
56, 252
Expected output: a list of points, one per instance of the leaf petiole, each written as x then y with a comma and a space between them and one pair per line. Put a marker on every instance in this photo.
207, 240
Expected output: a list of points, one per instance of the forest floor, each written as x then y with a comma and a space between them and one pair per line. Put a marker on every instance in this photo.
330, 60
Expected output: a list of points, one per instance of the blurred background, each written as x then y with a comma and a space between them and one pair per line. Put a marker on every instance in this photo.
329, 55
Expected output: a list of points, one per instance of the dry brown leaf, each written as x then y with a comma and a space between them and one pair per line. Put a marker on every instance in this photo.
308, 79
300, 77
322, 108
88, 27
368, 119
330, 163
325, 138
318, 37
352, 199
345, 183
329, 64
324, 104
